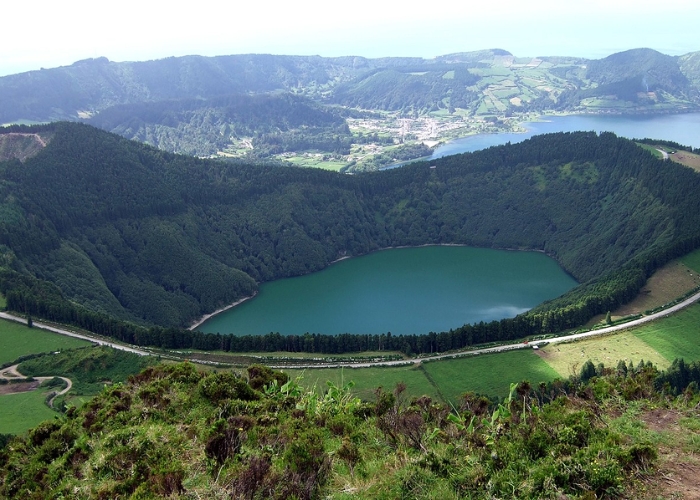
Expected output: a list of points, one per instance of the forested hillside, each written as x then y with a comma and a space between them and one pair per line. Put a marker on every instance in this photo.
639, 75
142, 235
202, 127
204, 105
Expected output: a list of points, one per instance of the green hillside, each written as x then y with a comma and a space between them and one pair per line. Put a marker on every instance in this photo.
136, 234
240, 105
202, 127
174, 432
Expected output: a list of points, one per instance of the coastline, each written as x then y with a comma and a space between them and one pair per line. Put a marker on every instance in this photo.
225, 308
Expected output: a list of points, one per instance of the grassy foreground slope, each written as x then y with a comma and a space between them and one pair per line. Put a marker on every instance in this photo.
173, 431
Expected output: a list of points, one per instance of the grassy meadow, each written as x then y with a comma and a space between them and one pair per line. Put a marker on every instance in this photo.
366, 380
677, 336
18, 340
444, 380
22, 411
489, 374
692, 260
316, 161
566, 359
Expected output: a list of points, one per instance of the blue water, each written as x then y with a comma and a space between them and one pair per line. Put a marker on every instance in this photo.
682, 128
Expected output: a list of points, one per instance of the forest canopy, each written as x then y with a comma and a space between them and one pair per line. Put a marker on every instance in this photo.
98, 226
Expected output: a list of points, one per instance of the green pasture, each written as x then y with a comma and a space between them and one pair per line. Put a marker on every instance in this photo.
22, 411
692, 260
567, 358
489, 374
532, 82
301, 161
677, 336
651, 149
492, 71
595, 102
18, 340
366, 380
506, 92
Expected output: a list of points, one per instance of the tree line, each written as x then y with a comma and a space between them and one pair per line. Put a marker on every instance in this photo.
137, 243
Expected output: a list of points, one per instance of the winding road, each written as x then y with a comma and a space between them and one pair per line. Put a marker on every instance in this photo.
11, 373
412, 361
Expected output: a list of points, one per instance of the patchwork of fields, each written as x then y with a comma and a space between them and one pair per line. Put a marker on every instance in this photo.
677, 336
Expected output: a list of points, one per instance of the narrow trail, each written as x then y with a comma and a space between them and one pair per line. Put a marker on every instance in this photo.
36, 136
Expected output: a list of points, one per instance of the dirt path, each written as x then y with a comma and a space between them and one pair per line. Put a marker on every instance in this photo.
11, 373
36, 136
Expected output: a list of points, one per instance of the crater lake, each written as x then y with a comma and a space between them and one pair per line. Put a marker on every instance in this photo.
402, 291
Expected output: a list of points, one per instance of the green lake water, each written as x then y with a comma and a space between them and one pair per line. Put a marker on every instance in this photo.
402, 291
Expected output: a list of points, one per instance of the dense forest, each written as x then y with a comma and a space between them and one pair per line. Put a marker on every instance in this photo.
135, 243
173, 431
201, 127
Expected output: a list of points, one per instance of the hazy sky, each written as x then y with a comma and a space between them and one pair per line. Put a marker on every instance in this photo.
49, 33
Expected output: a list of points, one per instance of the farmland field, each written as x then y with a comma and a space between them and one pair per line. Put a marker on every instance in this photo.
18, 340
22, 411
677, 336
692, 260
668, 283
568, 358
307, 161
489, 374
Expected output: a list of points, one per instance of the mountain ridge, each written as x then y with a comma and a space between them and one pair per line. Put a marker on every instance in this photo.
168, 238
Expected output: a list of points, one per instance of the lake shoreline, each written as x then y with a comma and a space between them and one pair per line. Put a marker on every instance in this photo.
206, 317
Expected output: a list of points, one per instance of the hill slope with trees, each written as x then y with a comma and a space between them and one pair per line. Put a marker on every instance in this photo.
137, 234
195, 104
